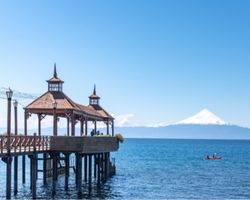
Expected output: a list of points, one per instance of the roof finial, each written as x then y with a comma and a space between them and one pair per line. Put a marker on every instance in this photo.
55, 73
94, 92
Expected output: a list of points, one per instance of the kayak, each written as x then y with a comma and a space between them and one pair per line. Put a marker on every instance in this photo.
213, 158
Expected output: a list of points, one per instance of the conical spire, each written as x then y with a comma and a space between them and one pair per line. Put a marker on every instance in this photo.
94, 98
94, 92
55, 73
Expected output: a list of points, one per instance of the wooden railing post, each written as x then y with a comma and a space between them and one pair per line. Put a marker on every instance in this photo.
43, 143
29, 142
34, 142
20, 144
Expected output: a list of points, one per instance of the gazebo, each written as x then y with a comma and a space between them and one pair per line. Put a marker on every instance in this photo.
57, 104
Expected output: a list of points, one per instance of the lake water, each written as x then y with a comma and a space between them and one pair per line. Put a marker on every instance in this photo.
164, 169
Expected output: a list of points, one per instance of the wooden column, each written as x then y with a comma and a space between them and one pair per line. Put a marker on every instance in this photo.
25, 123
39, 124
85, 168
86, 126
113, 128
68, 126
73, 125
95, 126
107, 127
54, 122
44, 169
81, 127
67, 171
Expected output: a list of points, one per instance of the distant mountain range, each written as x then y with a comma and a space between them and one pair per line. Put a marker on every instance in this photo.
203, 125
187, 132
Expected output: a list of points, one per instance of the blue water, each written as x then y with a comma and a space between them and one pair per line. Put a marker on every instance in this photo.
164, 169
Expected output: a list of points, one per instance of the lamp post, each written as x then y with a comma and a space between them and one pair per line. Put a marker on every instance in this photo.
15, 103
55, 118
9, 94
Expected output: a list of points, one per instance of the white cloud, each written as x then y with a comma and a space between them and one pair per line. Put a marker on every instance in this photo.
158, 125
125, 120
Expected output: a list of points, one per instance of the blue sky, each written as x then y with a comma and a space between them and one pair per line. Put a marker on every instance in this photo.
159, 61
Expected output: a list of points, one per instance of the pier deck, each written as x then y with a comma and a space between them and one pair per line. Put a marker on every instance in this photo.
26, 145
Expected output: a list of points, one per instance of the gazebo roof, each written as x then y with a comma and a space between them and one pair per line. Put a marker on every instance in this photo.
46, 101
101, 111
44, 105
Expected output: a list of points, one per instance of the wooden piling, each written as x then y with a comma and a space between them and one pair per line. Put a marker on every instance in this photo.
98, 169
44, 169
30, 173
23, 170
79, 174
15, 175
33, 159
8, 161
90, 170
102, 166
108, 165
66, 171
85, 168
54, 157
95, 166
76, 168
105, 167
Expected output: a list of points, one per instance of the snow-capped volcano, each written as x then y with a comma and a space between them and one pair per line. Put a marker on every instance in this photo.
205, 117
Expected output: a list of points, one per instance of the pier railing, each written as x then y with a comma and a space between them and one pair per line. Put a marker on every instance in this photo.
27, 144
20, 144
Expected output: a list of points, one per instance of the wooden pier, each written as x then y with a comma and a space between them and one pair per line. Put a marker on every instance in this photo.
91, 151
